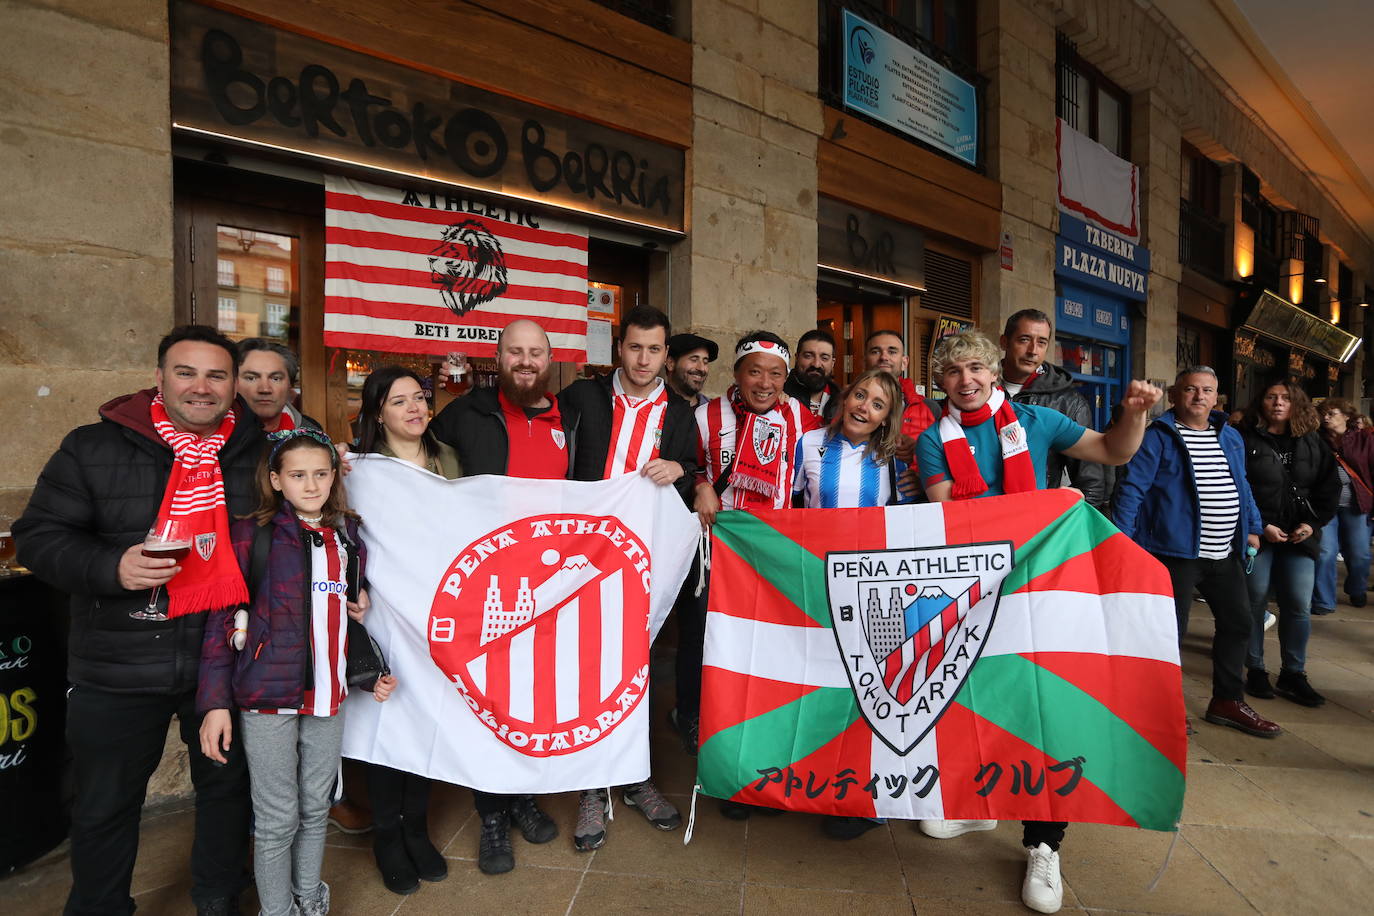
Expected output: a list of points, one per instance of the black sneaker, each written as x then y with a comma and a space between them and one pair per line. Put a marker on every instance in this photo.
847, 828
220, 906
1292, 685
688, 729
494, 853
1358, 600
535, 826
1257, 684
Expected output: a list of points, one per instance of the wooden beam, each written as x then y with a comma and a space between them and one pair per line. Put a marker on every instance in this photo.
469, 43
862, 138
599, 28
886, 189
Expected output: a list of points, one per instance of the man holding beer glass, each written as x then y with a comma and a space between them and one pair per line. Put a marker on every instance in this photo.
179, 456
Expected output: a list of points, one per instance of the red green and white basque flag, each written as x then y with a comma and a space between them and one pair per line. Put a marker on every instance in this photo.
1013, 657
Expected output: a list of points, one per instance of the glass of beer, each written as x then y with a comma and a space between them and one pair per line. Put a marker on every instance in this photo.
170, 539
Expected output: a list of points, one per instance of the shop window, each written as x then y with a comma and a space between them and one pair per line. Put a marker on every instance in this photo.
225, 273
1090, 103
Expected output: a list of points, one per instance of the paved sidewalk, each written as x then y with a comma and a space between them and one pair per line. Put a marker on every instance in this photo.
1271, 826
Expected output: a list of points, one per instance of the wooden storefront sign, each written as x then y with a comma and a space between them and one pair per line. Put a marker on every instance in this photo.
247, 82
861, 243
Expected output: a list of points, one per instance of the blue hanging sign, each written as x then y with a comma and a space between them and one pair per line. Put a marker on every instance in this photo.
890, 80
1096, 258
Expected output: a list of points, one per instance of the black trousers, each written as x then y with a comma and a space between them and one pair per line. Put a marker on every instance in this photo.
116, 741
690, 611
1051, 833
1222, 583
396, 794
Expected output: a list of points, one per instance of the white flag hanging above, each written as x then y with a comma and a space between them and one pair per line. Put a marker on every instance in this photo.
517, 615
1096, 184
423, 272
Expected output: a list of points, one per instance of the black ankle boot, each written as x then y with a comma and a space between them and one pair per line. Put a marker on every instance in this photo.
393, 861
429, 864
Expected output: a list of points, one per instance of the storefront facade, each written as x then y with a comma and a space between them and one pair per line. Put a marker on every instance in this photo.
1101, 285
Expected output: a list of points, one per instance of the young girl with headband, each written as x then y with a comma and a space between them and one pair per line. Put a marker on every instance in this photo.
279, 674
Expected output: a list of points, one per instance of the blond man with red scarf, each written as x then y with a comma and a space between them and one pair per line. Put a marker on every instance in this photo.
185, 449
985, 445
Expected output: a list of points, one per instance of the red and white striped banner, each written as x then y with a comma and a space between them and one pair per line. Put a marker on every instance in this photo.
412, 272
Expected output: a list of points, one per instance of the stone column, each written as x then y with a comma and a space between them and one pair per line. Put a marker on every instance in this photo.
1156, 146
86, 226
1016, 53
750, 261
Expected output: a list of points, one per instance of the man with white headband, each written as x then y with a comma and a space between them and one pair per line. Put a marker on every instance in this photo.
747, 442
748, 436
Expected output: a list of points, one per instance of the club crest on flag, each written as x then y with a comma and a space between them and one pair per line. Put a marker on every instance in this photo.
535, 625
910, 624
205, 545
767, 439
468, 266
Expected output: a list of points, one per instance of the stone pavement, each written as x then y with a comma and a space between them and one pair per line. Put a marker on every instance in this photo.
1271, 826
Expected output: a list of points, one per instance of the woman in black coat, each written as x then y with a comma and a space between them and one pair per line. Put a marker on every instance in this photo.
1292, 475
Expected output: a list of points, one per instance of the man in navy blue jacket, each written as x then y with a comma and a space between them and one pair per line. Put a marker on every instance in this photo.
1184, 497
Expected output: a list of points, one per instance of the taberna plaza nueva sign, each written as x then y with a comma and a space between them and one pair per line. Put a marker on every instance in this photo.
248, 83
890, 80
1093, 257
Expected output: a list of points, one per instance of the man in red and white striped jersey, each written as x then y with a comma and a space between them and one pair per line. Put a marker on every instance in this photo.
748, 435
628, 422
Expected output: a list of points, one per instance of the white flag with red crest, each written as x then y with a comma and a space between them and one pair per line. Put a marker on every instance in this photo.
517, 616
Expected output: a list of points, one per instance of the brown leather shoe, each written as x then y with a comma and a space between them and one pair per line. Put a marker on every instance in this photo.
1238, 714
350, 818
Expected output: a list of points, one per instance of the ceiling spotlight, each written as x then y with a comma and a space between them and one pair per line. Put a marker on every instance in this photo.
1319, 280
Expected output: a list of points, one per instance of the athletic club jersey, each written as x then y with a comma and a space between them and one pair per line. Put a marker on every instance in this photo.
1047, 430
325, 687
636, 428
833, 473
716, 443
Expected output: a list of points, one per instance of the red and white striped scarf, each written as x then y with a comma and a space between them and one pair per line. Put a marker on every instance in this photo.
210, 578
1018, 472
717, 427
636, 428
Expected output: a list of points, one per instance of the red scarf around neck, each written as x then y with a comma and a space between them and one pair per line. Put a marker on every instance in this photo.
1018, 472
762, 451
210, 579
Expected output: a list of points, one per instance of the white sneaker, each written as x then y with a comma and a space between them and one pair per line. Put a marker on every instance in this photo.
948, 830
1269, 619
1042, 890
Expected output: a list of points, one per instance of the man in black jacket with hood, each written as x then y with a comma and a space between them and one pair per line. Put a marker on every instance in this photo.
83, 532
1028, 379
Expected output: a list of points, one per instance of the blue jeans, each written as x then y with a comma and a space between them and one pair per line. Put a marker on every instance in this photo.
1349, 531
1291, 572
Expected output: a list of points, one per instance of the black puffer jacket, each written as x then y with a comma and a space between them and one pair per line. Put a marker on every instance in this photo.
98, 496
475, 427
588, 402
1287, 497
1054, 388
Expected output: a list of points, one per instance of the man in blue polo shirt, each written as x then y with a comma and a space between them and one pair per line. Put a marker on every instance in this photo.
985, 445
